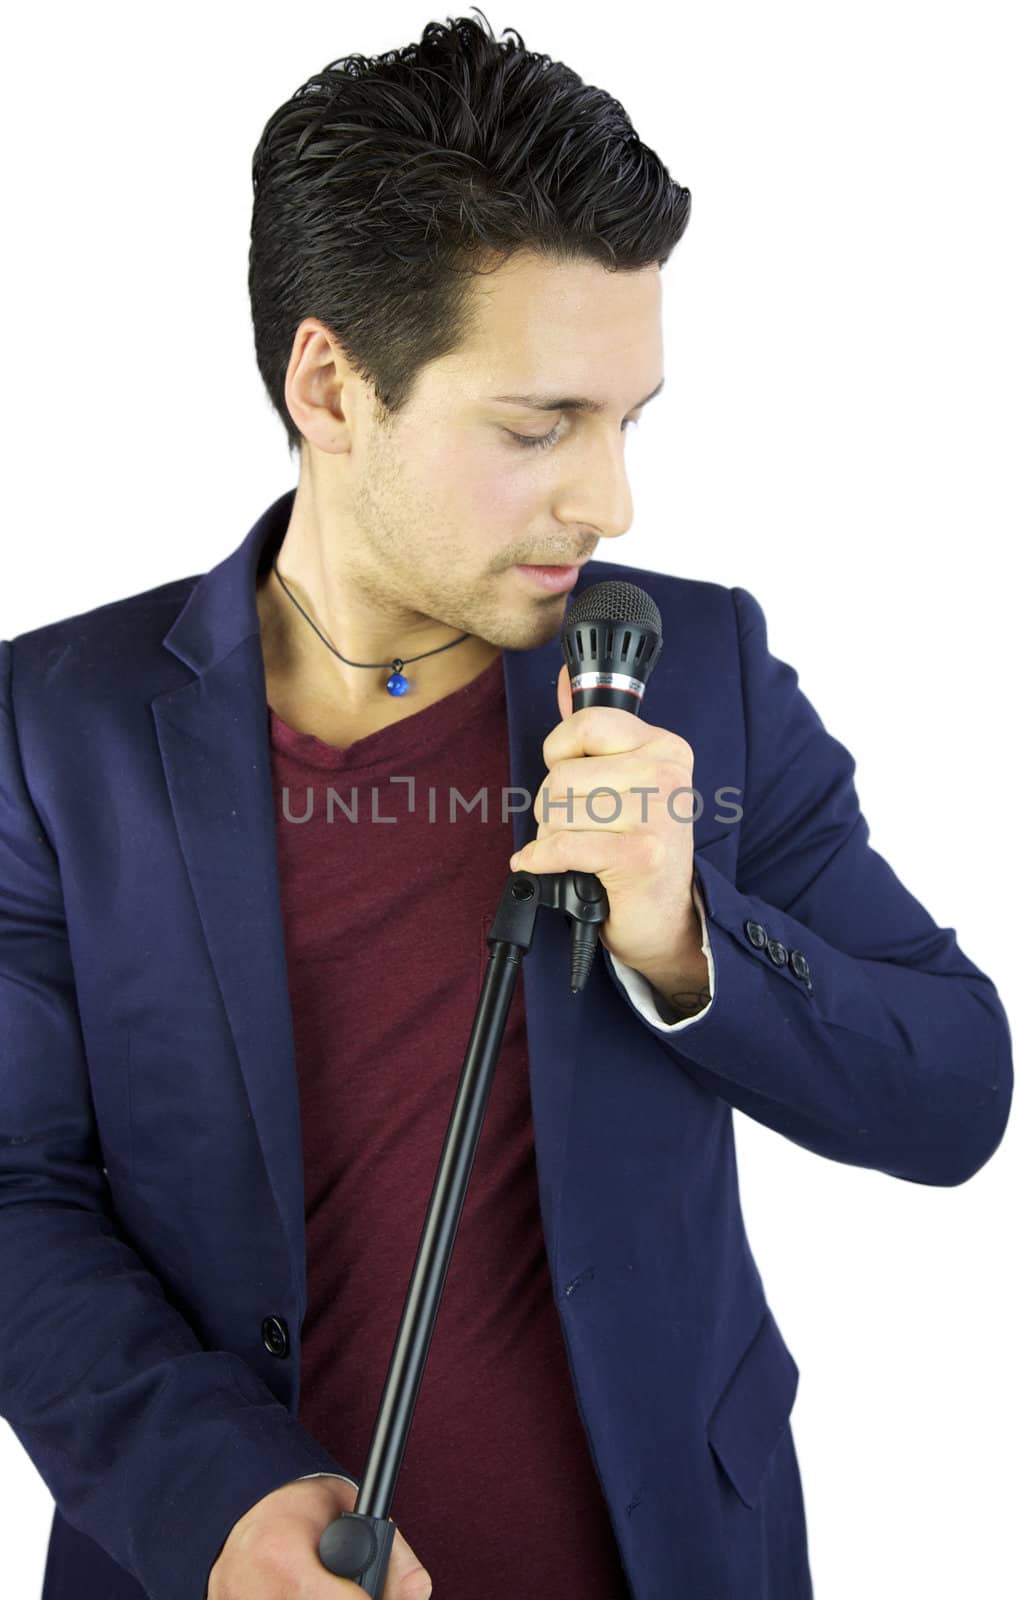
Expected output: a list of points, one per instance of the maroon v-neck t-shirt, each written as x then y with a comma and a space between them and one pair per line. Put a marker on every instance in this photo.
385, 924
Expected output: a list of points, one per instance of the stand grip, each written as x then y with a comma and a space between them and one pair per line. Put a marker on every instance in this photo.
358, 1547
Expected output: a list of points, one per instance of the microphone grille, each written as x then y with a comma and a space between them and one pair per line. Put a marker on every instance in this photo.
614, 601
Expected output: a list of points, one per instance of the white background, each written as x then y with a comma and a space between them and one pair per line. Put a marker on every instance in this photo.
837, 435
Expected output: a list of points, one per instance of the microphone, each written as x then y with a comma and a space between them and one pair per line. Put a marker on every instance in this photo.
611, 640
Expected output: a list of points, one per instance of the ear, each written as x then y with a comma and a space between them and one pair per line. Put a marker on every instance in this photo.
565, 696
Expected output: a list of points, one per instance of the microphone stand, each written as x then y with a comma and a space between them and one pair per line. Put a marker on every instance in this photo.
358, 1543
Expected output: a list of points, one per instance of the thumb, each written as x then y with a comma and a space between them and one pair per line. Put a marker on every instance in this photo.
405, 1578
564, 693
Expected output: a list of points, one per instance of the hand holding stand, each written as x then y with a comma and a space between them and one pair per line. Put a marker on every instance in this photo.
357, 1544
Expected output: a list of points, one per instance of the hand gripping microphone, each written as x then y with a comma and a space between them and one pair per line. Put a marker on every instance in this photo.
611, 639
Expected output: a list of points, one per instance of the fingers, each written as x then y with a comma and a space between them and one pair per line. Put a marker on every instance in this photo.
272, 1551
407, 1578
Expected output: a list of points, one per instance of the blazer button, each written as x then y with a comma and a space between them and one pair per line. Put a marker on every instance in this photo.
799, 964
275, 1336
777, 952
756, 934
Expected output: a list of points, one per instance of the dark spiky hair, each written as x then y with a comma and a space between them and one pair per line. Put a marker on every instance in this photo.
384, 183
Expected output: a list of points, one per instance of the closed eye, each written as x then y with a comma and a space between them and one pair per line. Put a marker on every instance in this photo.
543, 441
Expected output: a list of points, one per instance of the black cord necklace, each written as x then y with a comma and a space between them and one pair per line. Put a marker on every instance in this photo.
396, 683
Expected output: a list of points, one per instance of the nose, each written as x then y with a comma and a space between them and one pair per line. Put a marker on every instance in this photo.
595, 490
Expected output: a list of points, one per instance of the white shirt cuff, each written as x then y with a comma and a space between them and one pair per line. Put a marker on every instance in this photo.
327, 1475
642, 993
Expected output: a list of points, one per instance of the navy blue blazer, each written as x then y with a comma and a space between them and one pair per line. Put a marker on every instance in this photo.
143, 985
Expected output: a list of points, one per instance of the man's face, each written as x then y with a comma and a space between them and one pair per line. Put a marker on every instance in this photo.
446, 502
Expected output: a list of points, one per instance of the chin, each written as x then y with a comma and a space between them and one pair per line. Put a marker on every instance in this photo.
533, 628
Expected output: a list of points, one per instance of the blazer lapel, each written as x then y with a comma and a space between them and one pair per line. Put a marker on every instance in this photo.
552, 1012
213, 734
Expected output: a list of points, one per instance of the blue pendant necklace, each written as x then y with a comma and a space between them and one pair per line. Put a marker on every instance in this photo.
396, 683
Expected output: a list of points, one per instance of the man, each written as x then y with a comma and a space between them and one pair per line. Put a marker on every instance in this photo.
243, 928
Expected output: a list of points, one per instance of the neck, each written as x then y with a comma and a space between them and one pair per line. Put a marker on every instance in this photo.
300, 669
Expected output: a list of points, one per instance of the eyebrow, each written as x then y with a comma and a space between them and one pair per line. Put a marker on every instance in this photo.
544, 402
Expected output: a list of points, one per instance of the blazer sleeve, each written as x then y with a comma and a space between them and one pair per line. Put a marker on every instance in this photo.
843, 1017
149, 1443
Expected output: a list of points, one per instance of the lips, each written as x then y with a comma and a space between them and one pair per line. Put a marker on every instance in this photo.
553, 580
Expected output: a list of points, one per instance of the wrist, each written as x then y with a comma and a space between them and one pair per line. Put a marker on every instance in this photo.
681, 986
